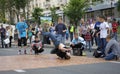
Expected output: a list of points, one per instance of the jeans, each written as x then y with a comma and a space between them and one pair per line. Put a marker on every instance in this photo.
115, 35
71, 36
110, 56
63, 39
53, 38
103, 45
89, 44
98, 41
2, 41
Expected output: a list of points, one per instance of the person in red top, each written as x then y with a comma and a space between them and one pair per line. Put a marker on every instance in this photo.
114, 28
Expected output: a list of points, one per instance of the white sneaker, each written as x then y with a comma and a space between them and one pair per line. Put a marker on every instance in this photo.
19, 52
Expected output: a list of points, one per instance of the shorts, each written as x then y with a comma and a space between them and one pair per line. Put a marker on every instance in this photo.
22, 41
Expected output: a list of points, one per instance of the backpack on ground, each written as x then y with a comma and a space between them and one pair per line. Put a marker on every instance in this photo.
97, 53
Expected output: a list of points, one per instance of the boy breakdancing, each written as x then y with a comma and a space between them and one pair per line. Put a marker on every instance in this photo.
61, 50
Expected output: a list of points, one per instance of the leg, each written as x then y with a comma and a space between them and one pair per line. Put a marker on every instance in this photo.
53, 38
10, 41
110, 56
35, 49
63, 39
24, 40
2, 41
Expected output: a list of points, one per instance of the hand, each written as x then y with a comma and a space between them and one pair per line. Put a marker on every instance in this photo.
97, 34
72, 44
64, 30
26, 36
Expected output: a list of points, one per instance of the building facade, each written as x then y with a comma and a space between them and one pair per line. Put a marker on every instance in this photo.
46, 4
105, 7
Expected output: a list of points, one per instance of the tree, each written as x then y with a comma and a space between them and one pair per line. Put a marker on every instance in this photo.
21, 4
118, 6
2, 10
37, 13
75, 10
10, 9
53, 14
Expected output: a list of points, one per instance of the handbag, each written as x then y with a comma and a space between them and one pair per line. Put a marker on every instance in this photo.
7, 41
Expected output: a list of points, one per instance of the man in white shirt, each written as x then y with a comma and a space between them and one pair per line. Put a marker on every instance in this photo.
104, 27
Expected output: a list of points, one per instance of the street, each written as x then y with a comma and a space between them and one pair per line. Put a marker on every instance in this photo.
46, 63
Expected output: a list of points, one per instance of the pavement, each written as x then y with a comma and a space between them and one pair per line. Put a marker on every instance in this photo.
46, 63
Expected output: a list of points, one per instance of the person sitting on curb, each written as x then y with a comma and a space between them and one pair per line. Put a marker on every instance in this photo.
77, 45
112, 50
61, 51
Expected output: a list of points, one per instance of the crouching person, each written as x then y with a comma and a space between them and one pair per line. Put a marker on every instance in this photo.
77, 45
37, 46
112, 49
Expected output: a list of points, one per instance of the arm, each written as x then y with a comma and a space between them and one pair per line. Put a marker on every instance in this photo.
64, 28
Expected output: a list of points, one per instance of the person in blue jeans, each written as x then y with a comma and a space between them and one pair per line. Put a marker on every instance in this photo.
112, 50
60, 49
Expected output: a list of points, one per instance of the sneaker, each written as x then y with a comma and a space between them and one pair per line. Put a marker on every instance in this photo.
19, 52
25, 52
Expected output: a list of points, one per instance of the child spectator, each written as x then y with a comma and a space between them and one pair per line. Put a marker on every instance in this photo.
37, 46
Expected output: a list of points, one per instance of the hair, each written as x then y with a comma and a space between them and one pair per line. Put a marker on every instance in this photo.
76, 34
114, 19
36, 36
109, 37
103, 17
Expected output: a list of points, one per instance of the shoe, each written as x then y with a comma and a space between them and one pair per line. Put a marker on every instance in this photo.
116, 58
41, 50
25, 52
19, 52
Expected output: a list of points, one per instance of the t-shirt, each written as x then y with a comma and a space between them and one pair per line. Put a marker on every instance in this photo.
2, 31
78, 40
103, 29
114, 26
97, 26
21, 27
59, 29
37, 44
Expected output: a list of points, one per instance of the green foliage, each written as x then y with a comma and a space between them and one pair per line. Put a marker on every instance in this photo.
75, 10
37, 13
2, 10
12, 7
53, 14
118, 6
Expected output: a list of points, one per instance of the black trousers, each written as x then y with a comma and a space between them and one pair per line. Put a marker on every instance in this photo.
60, 54
77, 49
10, 41
37, 50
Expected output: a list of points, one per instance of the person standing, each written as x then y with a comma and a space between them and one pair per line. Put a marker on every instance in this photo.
83, 28
104, 28
10, 36
114, 28
96, 33
3, 34
71, 31
61, 30
22, 28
